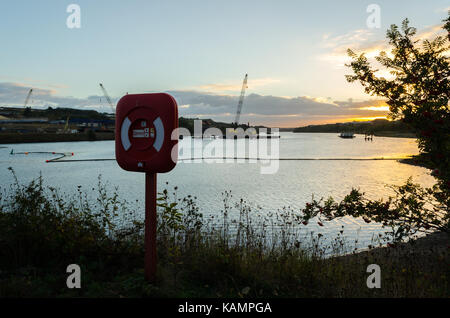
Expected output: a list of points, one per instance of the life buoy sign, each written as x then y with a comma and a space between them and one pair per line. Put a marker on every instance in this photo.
144, 126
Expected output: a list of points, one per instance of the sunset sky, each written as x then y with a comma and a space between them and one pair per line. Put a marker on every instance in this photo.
199, 51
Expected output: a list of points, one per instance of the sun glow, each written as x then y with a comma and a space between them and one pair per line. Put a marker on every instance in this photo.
377, 108
368, 118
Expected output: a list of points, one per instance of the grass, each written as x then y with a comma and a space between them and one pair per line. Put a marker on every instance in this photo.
43, 231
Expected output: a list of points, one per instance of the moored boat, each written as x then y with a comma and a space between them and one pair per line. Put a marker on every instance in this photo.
347, 135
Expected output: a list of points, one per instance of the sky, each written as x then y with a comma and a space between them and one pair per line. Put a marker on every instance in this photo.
199, 51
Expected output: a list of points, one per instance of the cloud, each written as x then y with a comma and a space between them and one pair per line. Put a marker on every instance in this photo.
357, 40
362, 40
236, 86
33, 82
274, 110
431, 32
258, 109
14, 94
355, 36
445, 10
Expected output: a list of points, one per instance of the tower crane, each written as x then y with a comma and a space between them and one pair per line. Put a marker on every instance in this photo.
107, 98
28, 98
66, 127
241, 101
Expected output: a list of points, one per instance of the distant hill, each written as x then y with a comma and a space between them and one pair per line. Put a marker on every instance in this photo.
53, 114
380, 127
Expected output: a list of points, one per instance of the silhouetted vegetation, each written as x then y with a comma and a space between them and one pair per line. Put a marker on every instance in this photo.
419, 91
419, 95
376, 127
237, 253
51, 113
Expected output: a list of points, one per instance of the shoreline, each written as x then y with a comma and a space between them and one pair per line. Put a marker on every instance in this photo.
436, 242
417, 160
387, 133
395, 134
15, 138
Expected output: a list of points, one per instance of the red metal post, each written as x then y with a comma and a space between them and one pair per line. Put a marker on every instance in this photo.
150, 226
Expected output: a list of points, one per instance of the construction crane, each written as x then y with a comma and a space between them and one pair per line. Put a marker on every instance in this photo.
28, 98
107, 98
66, 127
241, 101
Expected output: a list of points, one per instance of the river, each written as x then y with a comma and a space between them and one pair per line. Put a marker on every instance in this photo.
293, 184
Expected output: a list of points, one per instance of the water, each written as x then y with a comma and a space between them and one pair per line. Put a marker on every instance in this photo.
293, 184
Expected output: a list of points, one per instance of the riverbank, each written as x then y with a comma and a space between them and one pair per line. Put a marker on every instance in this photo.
378, 127
418, 160
197, 257
408, 265
17, 138
387, 133
394, 134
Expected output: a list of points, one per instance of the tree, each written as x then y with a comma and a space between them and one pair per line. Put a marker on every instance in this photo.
447, 25
419, 94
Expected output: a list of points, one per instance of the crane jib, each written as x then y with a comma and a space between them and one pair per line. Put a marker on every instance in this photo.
241, 100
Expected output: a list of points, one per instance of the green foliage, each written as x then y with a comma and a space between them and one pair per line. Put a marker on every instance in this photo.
418, 94
447, 25
419, 91
412, 210
39, 225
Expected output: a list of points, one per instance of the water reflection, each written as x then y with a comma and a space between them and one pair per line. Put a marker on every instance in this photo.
293, 184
